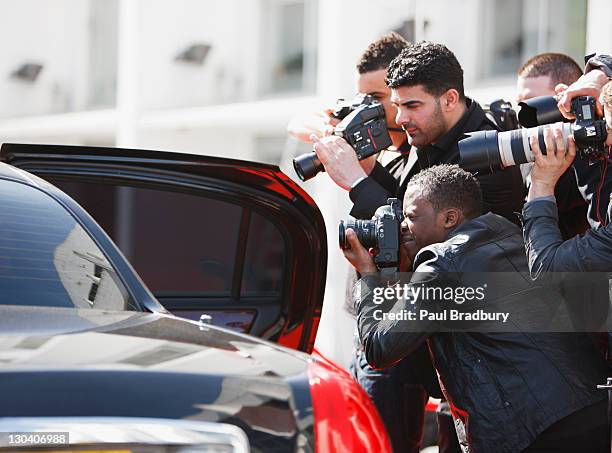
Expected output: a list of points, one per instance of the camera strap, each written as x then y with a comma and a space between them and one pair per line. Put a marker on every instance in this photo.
412, 160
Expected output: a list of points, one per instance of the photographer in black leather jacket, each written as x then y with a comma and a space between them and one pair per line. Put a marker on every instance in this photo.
512, 389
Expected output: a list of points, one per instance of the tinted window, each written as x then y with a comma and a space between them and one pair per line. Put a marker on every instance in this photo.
187, 244
179, 242
47, 258
263, 263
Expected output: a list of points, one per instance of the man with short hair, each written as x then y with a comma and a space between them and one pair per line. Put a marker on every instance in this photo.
346, 170
538, 77
372, 70
546, 250
370, 79
426, 82
511, 386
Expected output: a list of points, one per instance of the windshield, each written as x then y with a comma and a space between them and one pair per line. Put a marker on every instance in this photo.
48, 259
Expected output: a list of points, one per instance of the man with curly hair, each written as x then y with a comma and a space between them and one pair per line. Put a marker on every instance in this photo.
426, 82
344, 169
513, 383
401, 392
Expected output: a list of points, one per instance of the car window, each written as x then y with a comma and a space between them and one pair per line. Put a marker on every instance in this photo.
263, 264
186, 244
48, 259
179, 243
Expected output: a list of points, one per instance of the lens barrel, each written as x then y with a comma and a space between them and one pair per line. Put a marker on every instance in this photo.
307, 166
365, 230
489, 151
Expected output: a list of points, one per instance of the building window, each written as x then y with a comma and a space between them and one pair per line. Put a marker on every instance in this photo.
61, 58
514, 31
288, 47
102, 54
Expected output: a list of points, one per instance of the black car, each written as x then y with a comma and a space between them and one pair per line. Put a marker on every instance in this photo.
229, 247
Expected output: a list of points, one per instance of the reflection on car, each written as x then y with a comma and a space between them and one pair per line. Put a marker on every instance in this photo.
84, 343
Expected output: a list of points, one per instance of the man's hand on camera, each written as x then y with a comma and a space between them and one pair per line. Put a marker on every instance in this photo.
589, 84
358, 256
549, 168
339, 160
320, 124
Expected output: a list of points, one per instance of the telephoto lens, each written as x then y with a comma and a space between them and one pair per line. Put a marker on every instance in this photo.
490, 151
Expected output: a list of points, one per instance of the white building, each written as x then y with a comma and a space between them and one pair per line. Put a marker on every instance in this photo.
224, 77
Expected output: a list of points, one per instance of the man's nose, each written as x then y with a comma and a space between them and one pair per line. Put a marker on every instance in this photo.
402, 118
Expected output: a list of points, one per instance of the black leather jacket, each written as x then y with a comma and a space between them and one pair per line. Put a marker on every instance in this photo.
546, 250
504, 387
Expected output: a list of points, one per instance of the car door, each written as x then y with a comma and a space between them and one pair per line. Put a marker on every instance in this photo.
234, 243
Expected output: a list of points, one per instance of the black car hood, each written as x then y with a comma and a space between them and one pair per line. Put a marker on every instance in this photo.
150, 365
140, 335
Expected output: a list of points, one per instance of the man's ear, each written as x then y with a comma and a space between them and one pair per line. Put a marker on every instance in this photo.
452, 218
450, 100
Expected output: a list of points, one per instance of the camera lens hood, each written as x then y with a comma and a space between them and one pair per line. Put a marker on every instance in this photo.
480, 152
540, 110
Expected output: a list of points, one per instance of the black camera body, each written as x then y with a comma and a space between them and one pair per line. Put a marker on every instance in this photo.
365, 129
589, 132
383, 233
493, 150
344, 108
363, 125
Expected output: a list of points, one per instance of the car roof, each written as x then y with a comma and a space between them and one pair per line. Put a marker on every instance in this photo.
9, 172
